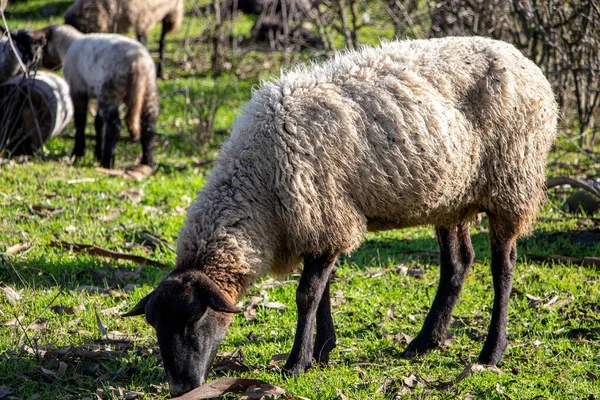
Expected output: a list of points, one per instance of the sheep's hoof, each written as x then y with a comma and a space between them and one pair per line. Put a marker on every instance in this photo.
418, 348
296, 368
491, 355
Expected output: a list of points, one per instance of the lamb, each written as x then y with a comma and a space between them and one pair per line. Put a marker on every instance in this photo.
409, 133
122, 16
114, 70
27, 50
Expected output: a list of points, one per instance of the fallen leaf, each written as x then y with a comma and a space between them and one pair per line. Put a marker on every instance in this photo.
38, 325
106, 217
278, 358
338, 298
134, 195
140, 172
410, 380
220, 387
12, 295
111, 310
5, 391
60, 309
11, 322
48, 371
44, 211
414, 272
130, 287
250, 310
101, 327
17, 248
91, 289
534, 301
275, 305
263, 391
391, 312
227, 362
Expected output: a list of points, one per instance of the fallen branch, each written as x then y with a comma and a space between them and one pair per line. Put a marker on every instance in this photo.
578, 183
99, 251
587, 261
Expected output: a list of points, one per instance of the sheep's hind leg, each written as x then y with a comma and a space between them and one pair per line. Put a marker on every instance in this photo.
148, 135
325, 340
99, 125
167, 26
143, 39
311, 288
456, 258
504, 256
80, 104
111, 137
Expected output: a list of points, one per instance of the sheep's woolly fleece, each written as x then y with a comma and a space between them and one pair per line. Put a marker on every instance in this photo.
112, 68
139, 16
407, 133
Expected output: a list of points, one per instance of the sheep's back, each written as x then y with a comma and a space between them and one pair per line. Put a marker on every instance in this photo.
411, 133
102, 63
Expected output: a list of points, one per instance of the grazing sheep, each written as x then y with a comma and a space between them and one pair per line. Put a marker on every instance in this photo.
114, 70
122, 16
423, 132
28, 50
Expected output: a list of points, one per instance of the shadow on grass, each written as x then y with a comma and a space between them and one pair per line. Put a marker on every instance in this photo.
62, 269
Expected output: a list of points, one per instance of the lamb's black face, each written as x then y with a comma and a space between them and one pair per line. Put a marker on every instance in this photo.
190, 317
30, 47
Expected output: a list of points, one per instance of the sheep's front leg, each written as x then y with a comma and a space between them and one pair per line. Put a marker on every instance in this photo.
111, 137
313, 283
456, 258
80, 105
325, 341
148, 135
504, 256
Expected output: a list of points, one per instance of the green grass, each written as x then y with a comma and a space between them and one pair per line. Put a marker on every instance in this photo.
554, 347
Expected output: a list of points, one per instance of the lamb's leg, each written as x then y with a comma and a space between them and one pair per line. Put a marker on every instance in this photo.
111, 137
325, 340
143, 39
504, 256
167, 25
99, 125
456, 257
148, 134
80, 105
313, 282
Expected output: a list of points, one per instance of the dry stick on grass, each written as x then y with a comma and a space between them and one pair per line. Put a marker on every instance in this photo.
586, 261
565, 180
99, 251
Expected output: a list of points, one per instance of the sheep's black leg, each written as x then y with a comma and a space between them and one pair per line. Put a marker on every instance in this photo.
80, 105
313, 283
167, 25
325, 340
143, 39
111, 137
148, 134
456, 257
99, 125
504, 256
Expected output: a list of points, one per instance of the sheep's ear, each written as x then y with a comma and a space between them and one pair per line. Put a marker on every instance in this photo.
210, 294
140, 307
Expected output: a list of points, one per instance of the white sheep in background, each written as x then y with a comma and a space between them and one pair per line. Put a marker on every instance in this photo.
122, 16
423, 132
114, 70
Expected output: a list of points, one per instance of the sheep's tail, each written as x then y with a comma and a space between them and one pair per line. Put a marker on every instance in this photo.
136, 95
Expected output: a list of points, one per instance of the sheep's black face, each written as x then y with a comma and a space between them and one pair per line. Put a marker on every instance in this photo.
190, 316
30, 47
